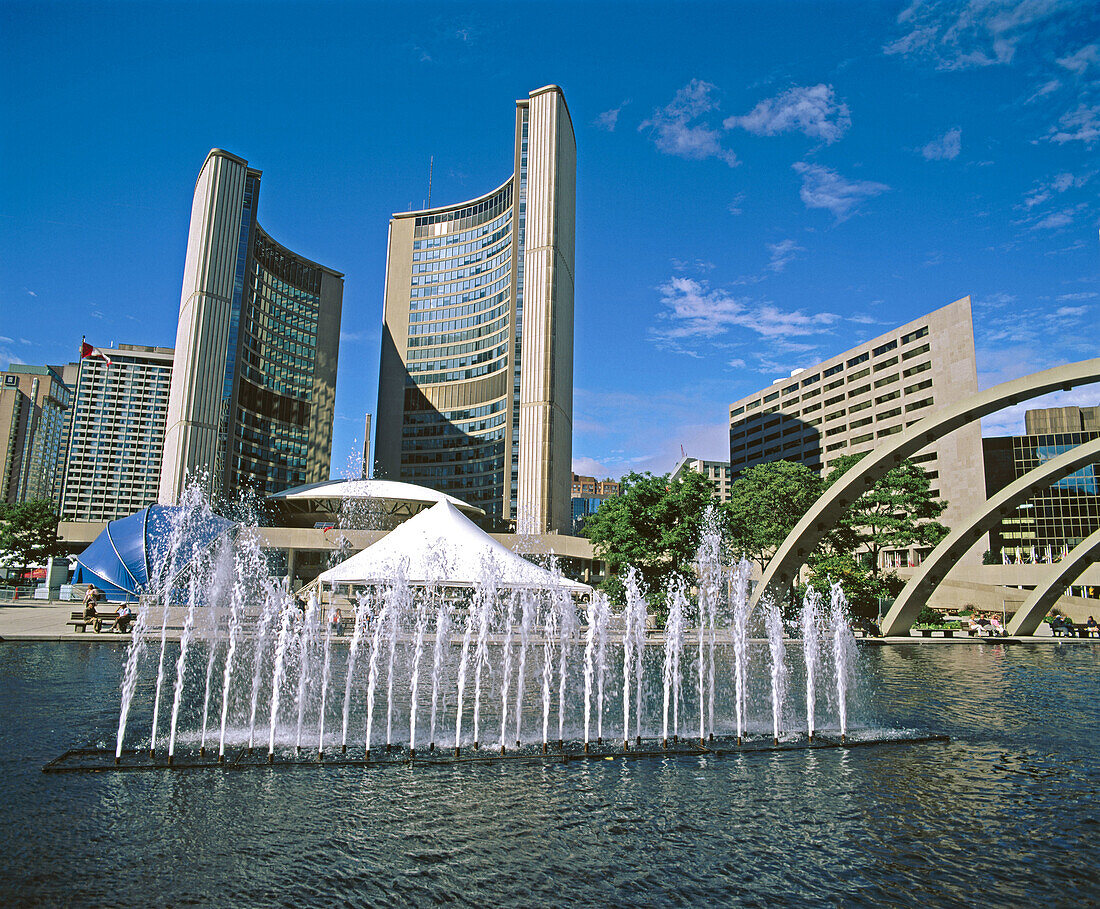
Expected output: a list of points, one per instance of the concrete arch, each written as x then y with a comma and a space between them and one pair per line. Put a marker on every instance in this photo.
943, 558
1061, 575
801, 541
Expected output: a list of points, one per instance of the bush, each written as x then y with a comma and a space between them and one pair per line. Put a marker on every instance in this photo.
929, 616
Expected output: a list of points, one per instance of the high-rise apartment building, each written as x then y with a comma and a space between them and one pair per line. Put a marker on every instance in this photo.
856, 400
34, 416
254, 388
116, 438
475, 392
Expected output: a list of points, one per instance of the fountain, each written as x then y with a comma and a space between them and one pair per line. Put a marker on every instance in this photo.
248, 650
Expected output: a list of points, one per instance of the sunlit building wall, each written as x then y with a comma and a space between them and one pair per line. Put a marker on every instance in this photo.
475, 391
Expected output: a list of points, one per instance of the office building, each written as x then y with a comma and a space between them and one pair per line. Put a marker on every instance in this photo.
857, 400
475, 391
590, 486
113, 467
1057, 518
34, 414
254, 388
588, 495
718, 472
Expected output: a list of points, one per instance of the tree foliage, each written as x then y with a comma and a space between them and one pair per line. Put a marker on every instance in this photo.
861, 588
28, 532
897, 512
766, 502
653, 526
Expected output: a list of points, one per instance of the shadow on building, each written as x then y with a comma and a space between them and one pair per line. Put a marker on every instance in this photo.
760, 438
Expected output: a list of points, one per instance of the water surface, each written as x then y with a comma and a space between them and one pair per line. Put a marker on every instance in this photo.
1005, 814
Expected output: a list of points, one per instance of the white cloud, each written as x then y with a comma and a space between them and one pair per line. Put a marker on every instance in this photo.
1080, 125
609, 119
736, 363
1057, 219
1059, 184
696, 418
1010, 421
1083, 295
590, 467
824, 188
1045, 89
811, 110
782, 254
963, 34
674, 131
695, 311
735, 204
1081, 60
1071, 312
31, 293
945, 148
692, 265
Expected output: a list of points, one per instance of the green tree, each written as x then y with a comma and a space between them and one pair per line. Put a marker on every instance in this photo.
897, 512
28, 532
653, 526
861, 589
766, 502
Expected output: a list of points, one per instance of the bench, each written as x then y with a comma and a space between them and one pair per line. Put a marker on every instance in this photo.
1072, 630
103, 621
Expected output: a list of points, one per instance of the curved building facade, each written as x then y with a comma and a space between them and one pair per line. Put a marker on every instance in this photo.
475, 394
254, 385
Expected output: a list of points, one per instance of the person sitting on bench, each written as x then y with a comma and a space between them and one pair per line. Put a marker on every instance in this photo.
125, 617
91, 600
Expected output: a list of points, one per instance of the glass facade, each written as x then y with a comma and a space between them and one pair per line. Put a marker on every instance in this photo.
1059, 517
460, 325
276, 342
470, 341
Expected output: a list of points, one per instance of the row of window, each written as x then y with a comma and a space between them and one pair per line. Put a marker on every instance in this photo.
833, 370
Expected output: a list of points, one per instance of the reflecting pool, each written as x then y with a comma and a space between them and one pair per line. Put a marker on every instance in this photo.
1003, 814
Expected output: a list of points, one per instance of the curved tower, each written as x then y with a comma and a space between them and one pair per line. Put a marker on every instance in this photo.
254, 380
475, 391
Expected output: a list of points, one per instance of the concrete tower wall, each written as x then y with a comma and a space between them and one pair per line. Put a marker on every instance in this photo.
202, 336
546, 384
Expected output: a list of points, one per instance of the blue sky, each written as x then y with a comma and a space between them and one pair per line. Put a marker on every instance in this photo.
760, 186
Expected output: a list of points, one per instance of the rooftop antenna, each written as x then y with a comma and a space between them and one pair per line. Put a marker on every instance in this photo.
431, 165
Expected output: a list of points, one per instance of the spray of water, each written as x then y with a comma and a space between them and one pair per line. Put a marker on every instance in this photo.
509, 627
844, 652
810, 621
674, 644
326, 670
130, 673
362, 615
442, 641
773, 623
278, 673
602, 615
181, 661
309, 632
739, 636
527, 600
462, 663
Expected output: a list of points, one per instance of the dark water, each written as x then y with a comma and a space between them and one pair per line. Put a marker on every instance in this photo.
1005, 815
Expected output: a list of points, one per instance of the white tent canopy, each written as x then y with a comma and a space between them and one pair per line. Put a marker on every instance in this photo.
442, 545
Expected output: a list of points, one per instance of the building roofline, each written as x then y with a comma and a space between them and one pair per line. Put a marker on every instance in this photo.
845, 353
297, 255
555, 88
454, 205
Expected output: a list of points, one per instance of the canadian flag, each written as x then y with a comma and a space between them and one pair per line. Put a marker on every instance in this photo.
94, 353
